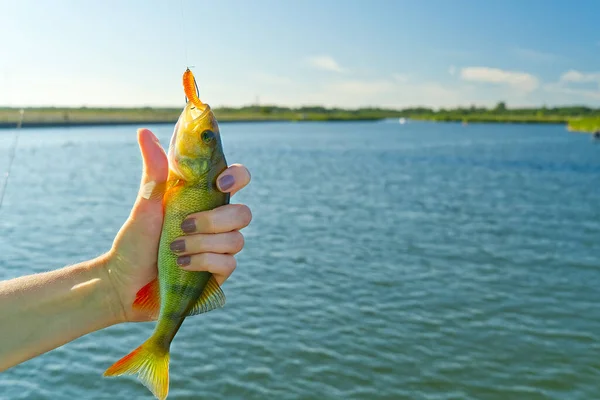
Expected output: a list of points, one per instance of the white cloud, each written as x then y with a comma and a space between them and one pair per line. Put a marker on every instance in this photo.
577, 84
452, 70
517, 80
326, 63
390, 92
580, 77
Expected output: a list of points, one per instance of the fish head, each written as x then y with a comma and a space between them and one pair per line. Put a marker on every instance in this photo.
195, 146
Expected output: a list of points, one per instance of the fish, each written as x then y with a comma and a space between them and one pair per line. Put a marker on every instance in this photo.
196, 159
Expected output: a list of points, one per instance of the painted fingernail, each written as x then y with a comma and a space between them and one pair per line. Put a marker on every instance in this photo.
183, 261
178, 246
189, 225
226, 182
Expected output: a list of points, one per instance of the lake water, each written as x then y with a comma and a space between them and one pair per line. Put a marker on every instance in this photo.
384, 261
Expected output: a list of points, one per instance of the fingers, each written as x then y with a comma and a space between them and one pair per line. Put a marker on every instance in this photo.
209, 252
213, 237
220, 265
233, 179
222, 243
222, 219
156, 166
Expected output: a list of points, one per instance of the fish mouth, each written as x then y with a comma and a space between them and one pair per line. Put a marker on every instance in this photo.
195, 109
195, 113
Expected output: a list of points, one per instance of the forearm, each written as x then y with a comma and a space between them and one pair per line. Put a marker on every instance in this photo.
43, 311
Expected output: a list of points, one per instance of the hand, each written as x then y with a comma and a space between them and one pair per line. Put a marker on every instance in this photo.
212, 237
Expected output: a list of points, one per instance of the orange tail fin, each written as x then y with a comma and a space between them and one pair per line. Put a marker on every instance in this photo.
151, 362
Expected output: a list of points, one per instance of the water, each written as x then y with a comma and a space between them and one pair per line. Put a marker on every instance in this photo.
384, 261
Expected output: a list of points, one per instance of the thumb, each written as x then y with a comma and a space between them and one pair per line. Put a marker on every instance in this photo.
156, 166
145, 218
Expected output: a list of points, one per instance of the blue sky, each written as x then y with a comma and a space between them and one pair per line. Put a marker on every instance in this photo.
300, 52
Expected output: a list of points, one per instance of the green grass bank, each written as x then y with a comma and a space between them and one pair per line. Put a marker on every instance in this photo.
37, 117
576, 118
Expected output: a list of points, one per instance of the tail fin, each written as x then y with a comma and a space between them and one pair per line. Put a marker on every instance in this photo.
151, 362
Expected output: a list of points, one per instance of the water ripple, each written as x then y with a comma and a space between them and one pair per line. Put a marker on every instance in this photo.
424, 261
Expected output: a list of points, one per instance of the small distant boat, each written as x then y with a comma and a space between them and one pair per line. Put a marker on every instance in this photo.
402, 121
596, 135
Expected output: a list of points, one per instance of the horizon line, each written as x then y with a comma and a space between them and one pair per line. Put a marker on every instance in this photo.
507, 107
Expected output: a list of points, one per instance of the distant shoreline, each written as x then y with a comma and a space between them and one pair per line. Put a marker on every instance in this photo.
74, 124
65, 117
82, 117
107, 122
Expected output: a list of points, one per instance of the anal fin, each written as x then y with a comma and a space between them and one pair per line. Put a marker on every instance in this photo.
147, 299
212, 297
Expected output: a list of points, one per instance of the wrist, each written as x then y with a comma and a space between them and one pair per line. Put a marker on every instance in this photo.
108, 297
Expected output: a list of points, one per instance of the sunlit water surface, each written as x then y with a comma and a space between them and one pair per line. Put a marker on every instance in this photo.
384, 261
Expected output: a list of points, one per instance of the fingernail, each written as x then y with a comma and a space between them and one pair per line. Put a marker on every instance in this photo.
226, 182
178, 246
189, 225
183, 261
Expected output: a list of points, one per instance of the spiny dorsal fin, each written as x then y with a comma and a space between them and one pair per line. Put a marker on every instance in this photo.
212, 297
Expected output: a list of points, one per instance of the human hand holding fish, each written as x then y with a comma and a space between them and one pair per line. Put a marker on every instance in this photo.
41, 312
167, 262
191, 183
212, 237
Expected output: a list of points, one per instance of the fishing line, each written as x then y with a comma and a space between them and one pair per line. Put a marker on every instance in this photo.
11, 156
184, 35
185, 48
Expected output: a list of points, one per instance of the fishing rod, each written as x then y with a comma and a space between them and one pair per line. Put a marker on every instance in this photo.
11, 155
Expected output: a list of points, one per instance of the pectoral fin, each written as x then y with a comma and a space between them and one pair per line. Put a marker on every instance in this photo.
147, 299
212, 297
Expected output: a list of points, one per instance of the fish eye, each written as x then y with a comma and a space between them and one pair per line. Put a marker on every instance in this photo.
208, 136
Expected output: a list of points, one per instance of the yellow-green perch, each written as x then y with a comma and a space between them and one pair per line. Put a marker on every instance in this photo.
195, 160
